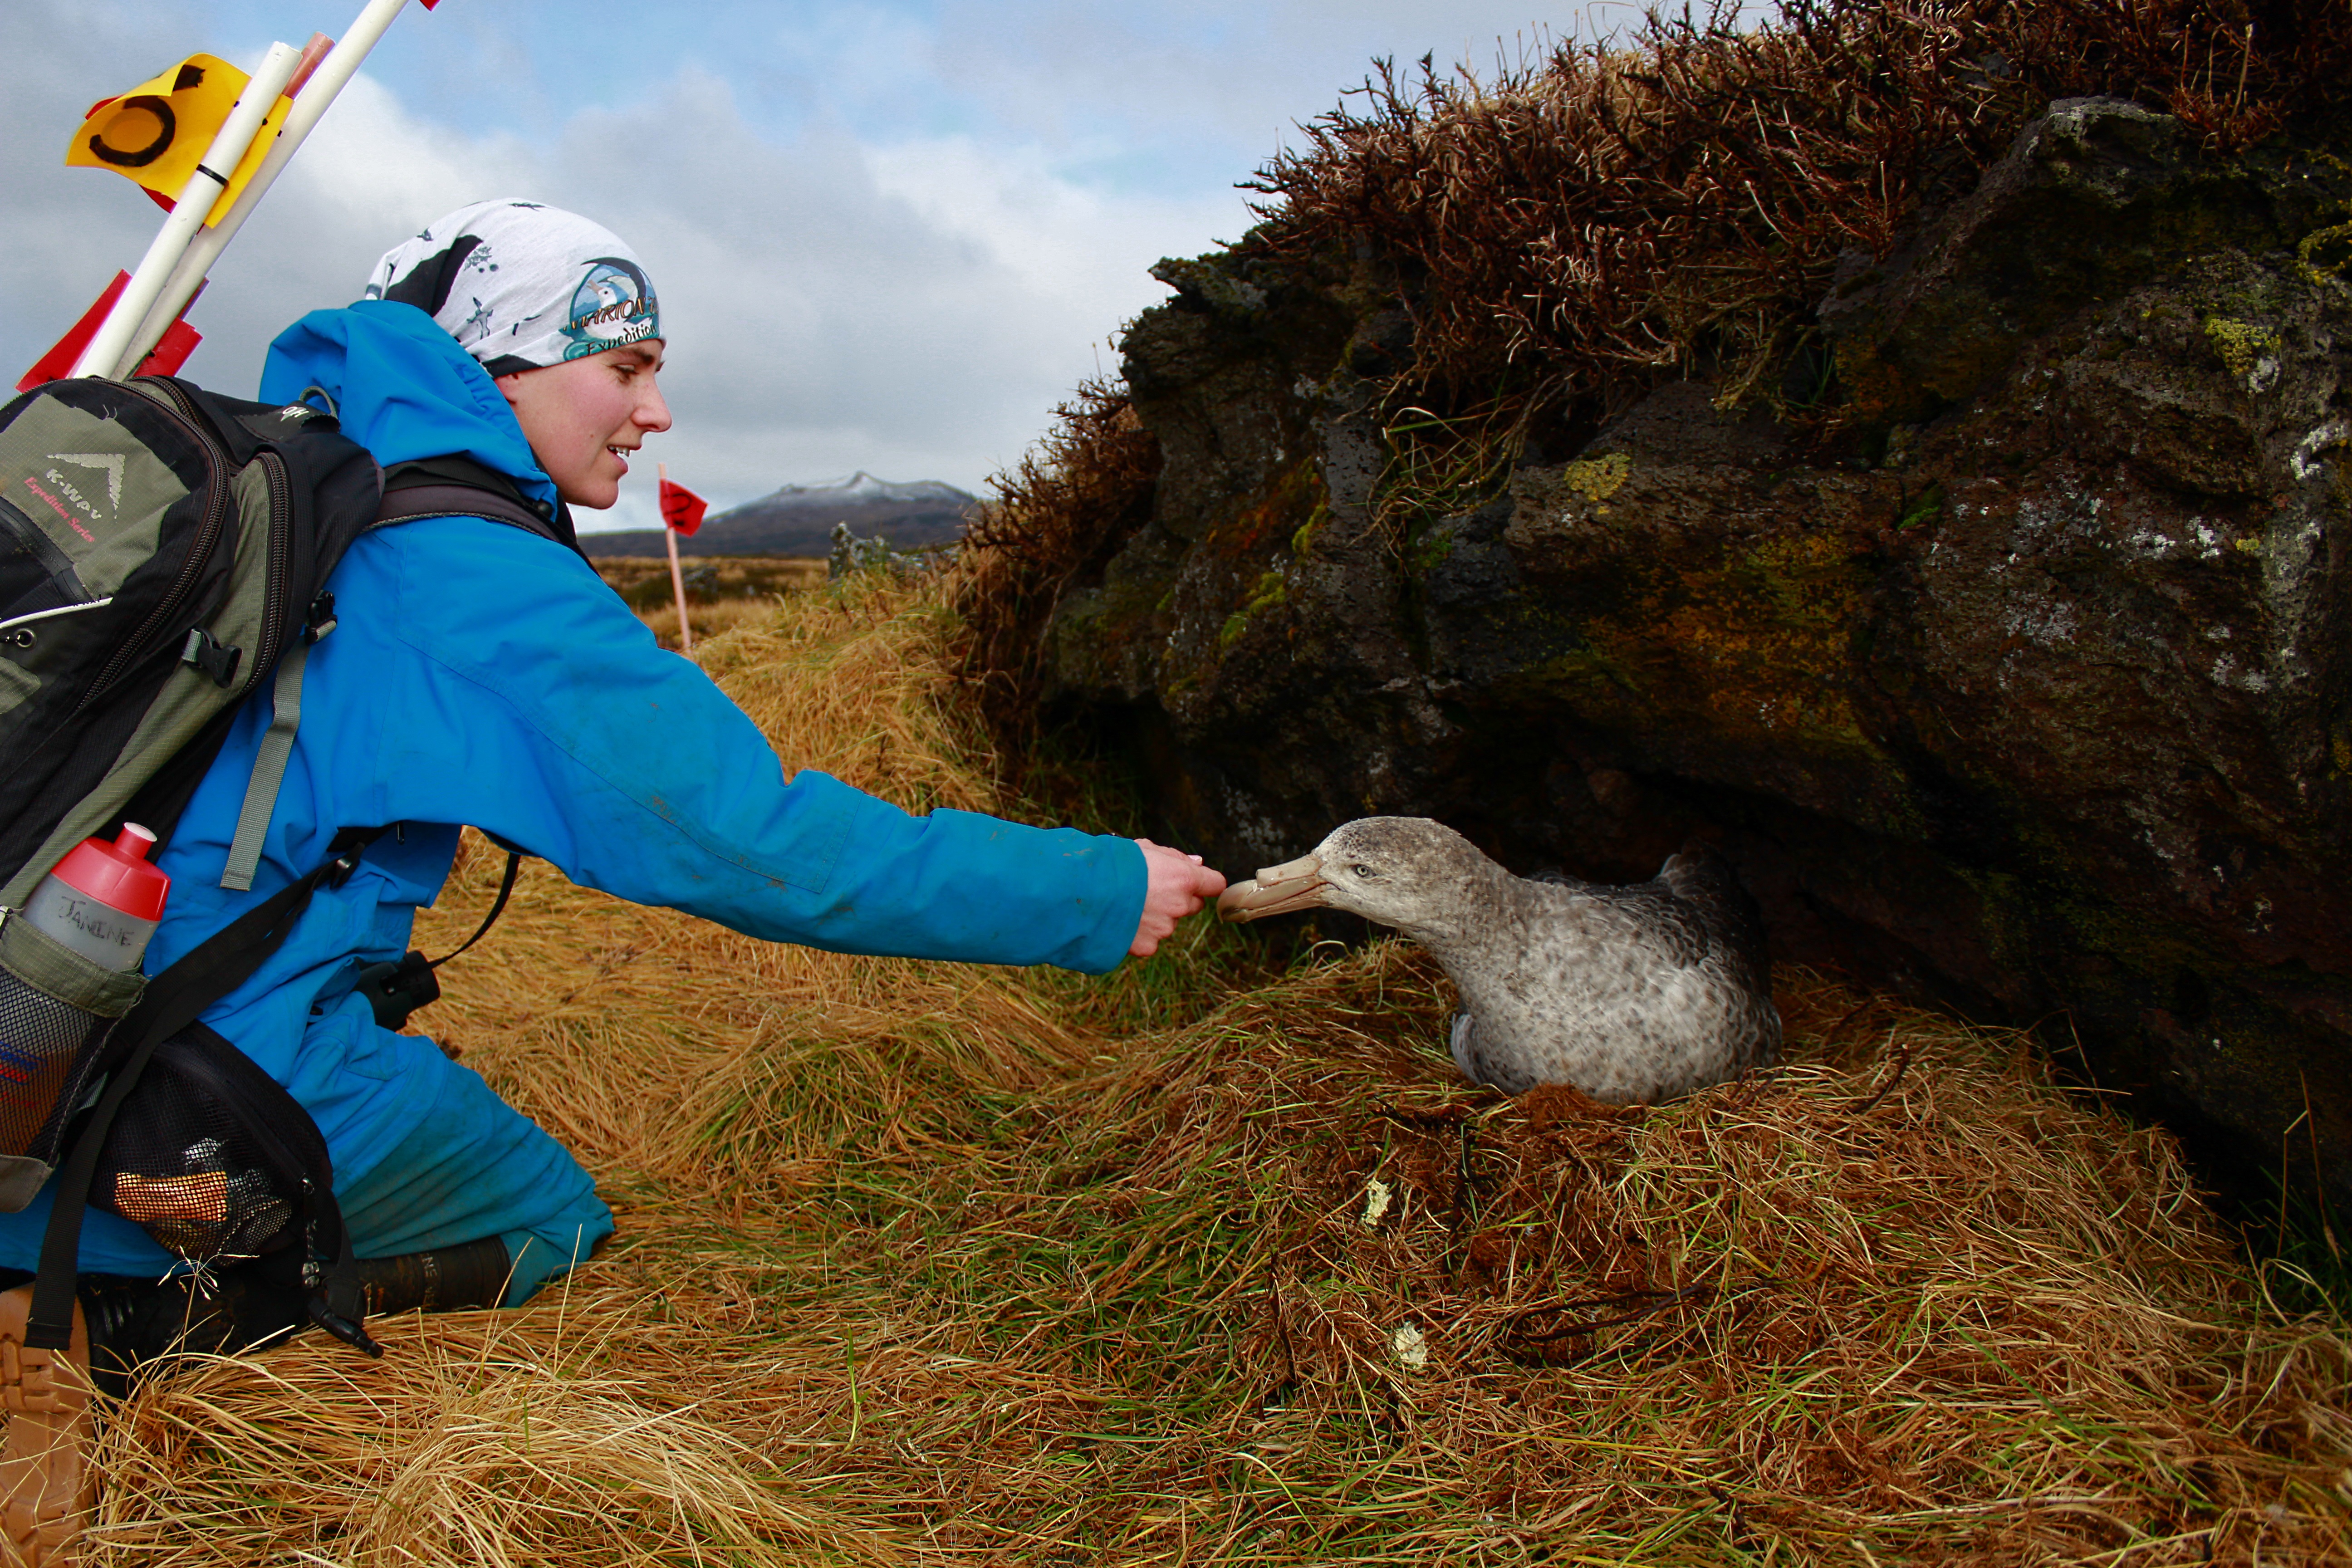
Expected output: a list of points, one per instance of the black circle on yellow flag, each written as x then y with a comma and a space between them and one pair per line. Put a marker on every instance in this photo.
124, 122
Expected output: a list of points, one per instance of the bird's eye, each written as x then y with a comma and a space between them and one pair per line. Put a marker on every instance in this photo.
1363, 871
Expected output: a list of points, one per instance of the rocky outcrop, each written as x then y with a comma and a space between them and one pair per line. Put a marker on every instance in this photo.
2029, 691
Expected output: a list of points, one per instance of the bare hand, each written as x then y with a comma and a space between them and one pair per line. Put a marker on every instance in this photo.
1178, 886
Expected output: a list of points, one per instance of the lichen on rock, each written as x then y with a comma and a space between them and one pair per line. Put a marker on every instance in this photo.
2250, 351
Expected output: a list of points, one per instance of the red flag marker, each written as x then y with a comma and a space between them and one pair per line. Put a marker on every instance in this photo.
179, 341
681, 509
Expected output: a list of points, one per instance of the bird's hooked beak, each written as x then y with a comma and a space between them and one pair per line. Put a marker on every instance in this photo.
1275, 890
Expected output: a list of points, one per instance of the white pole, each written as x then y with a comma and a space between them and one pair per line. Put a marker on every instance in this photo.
334, 72
677, 581
105, 351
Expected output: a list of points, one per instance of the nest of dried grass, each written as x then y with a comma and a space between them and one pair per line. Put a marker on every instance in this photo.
1190, 1264
1898, 1291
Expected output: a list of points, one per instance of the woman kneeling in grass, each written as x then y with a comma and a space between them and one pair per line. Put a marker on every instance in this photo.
481, 673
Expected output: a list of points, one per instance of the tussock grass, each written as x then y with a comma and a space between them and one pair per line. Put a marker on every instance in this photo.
643, 581
723, 592
944, 1263
709, 620
504, 1439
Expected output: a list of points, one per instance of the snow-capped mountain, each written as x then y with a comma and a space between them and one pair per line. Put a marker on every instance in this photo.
862, 485
797, 520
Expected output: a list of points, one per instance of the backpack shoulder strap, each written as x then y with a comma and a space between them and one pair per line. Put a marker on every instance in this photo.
429, 486
269, 766
459, 487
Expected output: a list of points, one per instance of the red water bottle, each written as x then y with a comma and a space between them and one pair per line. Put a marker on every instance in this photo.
104, 901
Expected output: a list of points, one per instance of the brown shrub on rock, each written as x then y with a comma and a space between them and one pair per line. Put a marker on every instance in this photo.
1541, 248
1570, 229
1071, 501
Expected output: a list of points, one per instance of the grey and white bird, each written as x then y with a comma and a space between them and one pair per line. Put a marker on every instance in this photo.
1630, 995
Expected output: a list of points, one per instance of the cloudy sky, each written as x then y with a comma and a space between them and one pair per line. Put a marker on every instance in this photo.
887, 235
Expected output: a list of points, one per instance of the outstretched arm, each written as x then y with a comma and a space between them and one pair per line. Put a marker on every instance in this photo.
551, 718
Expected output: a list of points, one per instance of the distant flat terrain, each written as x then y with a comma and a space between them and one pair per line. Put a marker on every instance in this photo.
798, 520
645, 584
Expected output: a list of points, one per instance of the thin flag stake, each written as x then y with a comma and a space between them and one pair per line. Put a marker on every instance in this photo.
109, 345
676, 578
333, 73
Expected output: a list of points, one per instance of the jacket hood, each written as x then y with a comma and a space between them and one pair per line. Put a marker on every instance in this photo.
402, 388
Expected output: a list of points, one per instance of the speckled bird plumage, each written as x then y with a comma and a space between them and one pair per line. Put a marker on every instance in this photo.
1630, 995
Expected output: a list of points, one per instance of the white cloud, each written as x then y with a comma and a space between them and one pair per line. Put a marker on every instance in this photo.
913, 310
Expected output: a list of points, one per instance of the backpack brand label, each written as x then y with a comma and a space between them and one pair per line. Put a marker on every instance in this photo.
108, 463
59, 507
101, 492
81, 503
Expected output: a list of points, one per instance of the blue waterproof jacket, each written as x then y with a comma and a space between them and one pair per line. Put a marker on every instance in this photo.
478, 674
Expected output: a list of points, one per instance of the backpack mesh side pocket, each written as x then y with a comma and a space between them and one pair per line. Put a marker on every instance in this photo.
58, 1012
42, 1042
210, 1156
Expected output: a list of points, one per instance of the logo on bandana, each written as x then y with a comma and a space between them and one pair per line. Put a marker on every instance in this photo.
614, 304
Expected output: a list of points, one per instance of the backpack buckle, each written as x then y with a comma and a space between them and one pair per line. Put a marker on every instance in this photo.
320, 619
396, 990
347, 847
217, 660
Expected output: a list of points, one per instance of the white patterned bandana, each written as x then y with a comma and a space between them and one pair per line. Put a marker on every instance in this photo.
522, 285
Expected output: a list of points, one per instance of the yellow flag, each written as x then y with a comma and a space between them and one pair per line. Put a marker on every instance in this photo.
156, 133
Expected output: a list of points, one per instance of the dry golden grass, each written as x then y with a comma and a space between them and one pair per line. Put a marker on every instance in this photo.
723, 591
943, 1263
494, 1438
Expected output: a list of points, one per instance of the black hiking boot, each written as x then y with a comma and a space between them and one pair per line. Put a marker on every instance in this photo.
136, 1322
